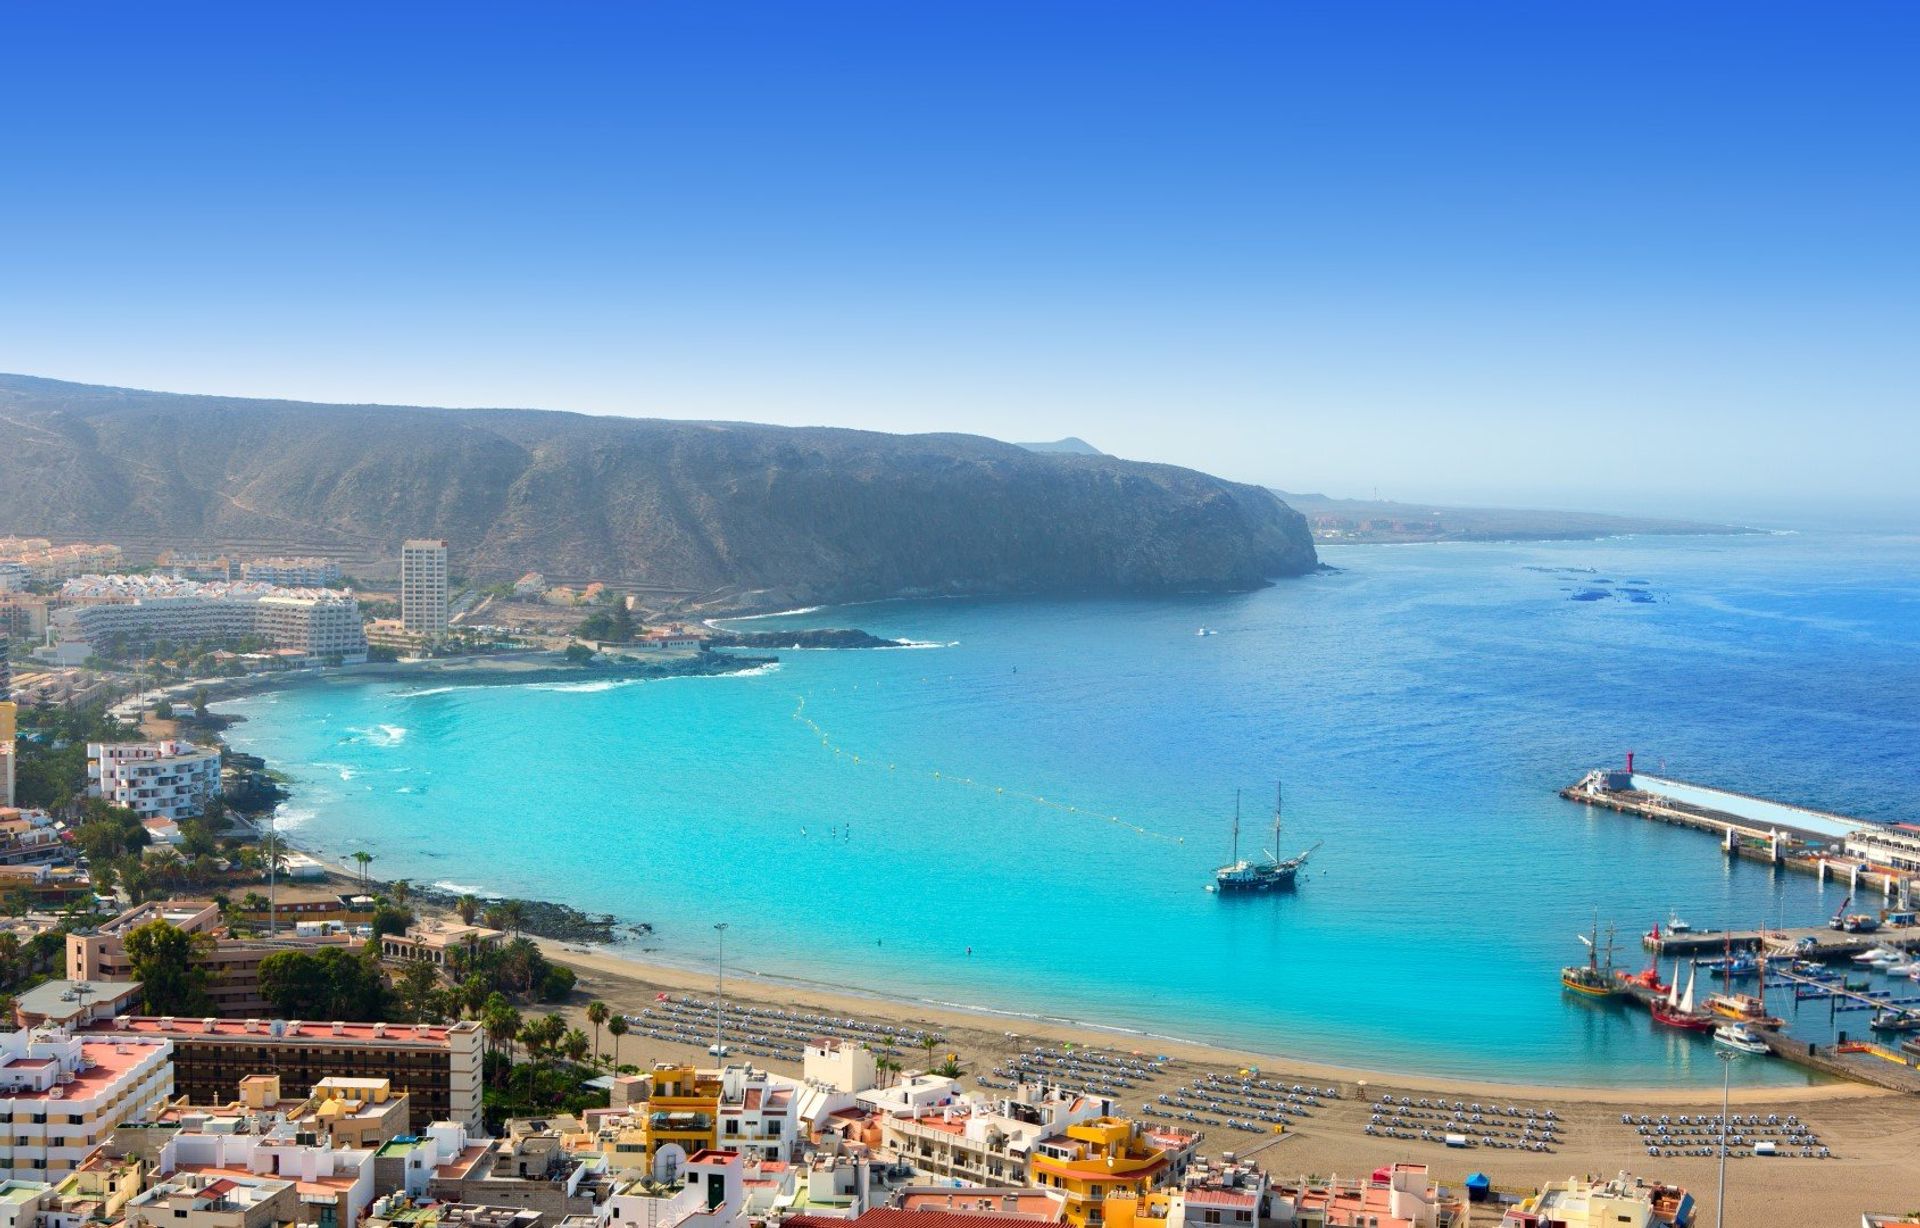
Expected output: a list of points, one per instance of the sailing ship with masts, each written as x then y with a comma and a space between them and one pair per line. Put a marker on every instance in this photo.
1591, 979
1677, 1010
1269, 873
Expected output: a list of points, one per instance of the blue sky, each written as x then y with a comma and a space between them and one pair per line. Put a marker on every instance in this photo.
1627, 255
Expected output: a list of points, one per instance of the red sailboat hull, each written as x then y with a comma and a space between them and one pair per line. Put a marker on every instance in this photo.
1682, 1020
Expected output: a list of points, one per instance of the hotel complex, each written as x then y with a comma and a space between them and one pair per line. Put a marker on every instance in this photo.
315, 624
42, 561
436, 1065
292, 572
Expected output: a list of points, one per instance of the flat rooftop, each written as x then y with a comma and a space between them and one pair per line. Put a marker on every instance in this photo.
58, 999
109, 1066
396, 1034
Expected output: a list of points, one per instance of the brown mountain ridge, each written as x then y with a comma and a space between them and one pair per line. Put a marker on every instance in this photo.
727, 514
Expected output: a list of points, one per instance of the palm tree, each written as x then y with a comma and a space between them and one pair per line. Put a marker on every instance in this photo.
468, 908
929, 1042
597, 1013
399, 889
616, 1028
502, 1024
473, 995
574, 1044
513, 914
363, 858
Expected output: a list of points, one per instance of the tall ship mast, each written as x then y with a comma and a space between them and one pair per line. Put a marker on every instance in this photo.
1269, 872
1590, 978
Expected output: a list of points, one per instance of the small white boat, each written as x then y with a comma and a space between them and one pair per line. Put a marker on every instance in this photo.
1675, 925
1899, 967
1206, 631
1739, 1036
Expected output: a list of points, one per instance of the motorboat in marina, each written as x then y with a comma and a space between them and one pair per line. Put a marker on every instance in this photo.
1740, 1037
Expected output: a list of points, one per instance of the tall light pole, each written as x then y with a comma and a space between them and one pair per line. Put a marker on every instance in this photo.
720, 989
273, 870
1726, 1085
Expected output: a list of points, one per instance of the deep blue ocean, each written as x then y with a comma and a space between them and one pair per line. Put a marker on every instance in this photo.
871, 819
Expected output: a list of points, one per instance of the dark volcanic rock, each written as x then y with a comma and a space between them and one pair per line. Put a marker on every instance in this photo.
821, 637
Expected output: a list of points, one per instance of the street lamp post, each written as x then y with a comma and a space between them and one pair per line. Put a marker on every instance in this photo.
1726, 1086
720, 989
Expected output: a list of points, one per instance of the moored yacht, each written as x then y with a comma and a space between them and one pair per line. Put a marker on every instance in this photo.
1739, 1036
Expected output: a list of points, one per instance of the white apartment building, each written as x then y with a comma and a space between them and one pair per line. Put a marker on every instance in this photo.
423, 588
292, 572
155, 780
322, 624
971, 1137
709, 1192
14, 577
333, 1185
61, 1096
47, 562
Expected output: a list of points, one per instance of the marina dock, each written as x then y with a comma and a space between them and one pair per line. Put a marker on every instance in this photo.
1827, 945
1860, 1059
1818, 842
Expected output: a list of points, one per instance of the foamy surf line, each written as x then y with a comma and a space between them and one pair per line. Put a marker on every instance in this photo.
748, 618
599, 685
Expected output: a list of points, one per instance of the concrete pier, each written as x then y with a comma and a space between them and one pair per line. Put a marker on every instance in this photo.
1828, 944
1812, 849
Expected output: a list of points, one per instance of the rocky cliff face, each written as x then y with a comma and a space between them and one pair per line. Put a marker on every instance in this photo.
730, 514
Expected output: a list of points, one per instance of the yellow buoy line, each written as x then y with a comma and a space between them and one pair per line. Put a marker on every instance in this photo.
842, 753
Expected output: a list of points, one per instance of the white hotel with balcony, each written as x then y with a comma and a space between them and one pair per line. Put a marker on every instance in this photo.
155, 780
61, 1096
321, 624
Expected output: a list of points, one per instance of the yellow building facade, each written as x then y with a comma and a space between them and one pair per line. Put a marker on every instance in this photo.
682, 1108
1095, 1160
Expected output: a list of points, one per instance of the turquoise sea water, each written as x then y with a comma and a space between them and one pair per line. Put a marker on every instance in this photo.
1423, 704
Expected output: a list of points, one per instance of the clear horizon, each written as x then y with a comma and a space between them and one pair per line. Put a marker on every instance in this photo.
1629, 260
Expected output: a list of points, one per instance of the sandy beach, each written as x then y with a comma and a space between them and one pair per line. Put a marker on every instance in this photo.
1872, 1133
